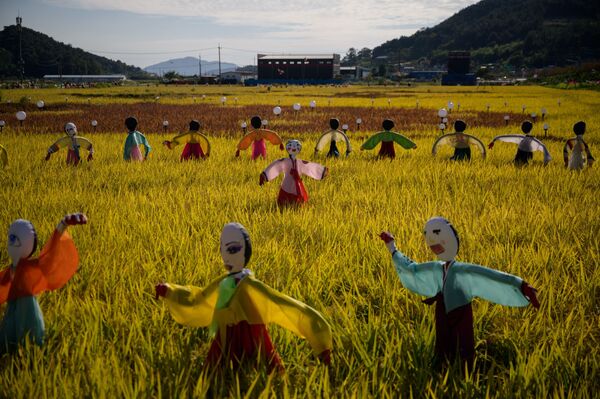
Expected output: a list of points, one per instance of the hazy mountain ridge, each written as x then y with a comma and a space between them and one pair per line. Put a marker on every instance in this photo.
188, 66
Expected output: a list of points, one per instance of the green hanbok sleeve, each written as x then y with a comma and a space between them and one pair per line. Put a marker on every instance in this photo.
421, 278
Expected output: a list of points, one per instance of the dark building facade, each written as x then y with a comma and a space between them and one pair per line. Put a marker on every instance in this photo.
299, 67
459, 63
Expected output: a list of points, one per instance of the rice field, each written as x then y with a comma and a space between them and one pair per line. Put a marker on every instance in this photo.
106, 335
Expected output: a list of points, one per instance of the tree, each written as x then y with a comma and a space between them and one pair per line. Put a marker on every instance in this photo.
350, 58
172, 75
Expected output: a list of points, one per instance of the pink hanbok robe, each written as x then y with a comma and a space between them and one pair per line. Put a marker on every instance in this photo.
292, 189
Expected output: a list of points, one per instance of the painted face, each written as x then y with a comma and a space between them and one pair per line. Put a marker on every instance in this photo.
22, 240
293, 147
235, 247
70, 129
441, 238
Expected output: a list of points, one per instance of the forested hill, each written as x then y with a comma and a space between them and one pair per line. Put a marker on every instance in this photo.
44, 55
514, 32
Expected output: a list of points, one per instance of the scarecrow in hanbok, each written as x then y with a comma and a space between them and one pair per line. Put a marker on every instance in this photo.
527, 145
452, 285
3, 156
387, 138
257, 138
73, 143
461, 142
332, 137
25, 278
238, 308
576, 152
196, 144
134, 141
292, 191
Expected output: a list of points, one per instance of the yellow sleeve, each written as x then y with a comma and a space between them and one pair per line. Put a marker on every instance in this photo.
62, 143
182, 138
84, 143
192, 306
260, 304
272, 137
3, 156
246, 140
204, 143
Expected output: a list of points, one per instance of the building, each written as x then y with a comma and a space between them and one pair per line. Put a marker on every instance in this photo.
236, 77
299, 68
459, 63
85, 78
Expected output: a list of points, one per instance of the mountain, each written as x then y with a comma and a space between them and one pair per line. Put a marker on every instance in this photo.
43, 55
188, 66
533, 33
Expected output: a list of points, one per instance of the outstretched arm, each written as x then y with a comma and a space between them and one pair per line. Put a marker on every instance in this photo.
289, 313
507, 138
372, 141
246, 141
495, 286
274, 170
403, 141
312, 169
272, 137
189, 305
420, 278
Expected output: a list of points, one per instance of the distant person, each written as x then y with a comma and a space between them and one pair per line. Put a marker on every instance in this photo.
197, 145
387, 138
73, 143
133, 142
461, 142
576, 152
332, 137
527, 145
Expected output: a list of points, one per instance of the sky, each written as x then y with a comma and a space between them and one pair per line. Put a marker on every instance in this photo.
145, 32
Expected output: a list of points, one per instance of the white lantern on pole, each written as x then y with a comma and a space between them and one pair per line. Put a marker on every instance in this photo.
277, 111
313, 104
21, 115
40, 104
2, 123
223, 100
94, 124
345, 127
165, 125
296, 107
442, 113
506, 119
450, 106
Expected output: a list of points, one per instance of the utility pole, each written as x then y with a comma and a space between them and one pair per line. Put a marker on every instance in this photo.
200, 67
219, 63
21, 62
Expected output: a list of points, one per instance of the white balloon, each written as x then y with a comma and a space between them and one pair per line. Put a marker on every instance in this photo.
165, 123
265, 122
40, 104
444, 120
2, 123
94, 123
223, 99
450, 105
358, 121
442, 113
313, 104
442, 126
21, 115
296, 107
344, 127
277, 110
244, 125
546, 126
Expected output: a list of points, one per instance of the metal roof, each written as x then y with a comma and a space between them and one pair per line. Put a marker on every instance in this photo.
296, 56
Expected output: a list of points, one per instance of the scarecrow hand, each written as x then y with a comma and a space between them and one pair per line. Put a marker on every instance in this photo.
161, 290
167, 144
388, 238
491, 145
74, 219
48, 155
237, 153
530, 293
281, 146
90, 156
262, 180
325, 356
